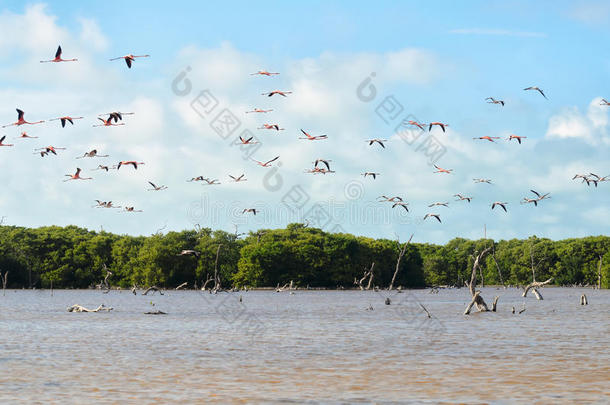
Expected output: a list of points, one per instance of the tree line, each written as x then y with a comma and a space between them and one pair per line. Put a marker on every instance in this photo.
73, 257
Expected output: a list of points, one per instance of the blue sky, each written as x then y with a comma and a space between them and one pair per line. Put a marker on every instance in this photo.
440, 60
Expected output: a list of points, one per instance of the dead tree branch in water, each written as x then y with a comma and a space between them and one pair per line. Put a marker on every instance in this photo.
182, 286
153, 289
535, 285
476, 295
367, 273
583, 300
79, 308
207, 280
401, 253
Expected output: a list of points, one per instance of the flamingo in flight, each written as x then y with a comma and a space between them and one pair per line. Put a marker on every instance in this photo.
76, 176
437, 216
383, 198
536, 89
488, 181
105, 204
58, 57
438, 204
417, 124
440, 124
198, 178
66, 119
267, 163
247, 141
271, 126
108, 122
49, 149
130, 58
274, 92
117, 115
132, 209
4, 144
21, 120
499, 204
586, 178
379, 141
310, 137
258, 110
189, 252
156, 188
129, 162
102, 167
462, 198
541, 196
604, 102
401, 204
263, 73
213, 182
24, 135
252, 210
488, 138
517, 137
441, 170
239, 178
372, 174
599, 179
91, 154
494, 101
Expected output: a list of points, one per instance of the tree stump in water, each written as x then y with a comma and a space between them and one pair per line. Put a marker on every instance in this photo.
583, 300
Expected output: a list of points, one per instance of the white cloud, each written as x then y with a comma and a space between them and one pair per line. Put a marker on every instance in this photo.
591, 127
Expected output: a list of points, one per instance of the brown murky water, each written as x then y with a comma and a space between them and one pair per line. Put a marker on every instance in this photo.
310, 346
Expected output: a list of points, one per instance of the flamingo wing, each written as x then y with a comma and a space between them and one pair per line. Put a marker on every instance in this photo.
128, 62
272, 160
58, 53
20, 114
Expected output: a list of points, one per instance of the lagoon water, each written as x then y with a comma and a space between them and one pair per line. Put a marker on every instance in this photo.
305, 347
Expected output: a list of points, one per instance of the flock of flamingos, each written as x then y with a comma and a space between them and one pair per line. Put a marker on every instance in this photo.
320, 166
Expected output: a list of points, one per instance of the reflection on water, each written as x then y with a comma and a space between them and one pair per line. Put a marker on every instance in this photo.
310, 346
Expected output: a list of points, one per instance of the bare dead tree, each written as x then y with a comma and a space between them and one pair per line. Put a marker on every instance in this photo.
493, 255
216, 277
4, 281
477, 300
105, 282
599, 273
583, 300
182, 286
367, 274
153, 289
494, 304
133, 290
535, 284
401, 253
370, 283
